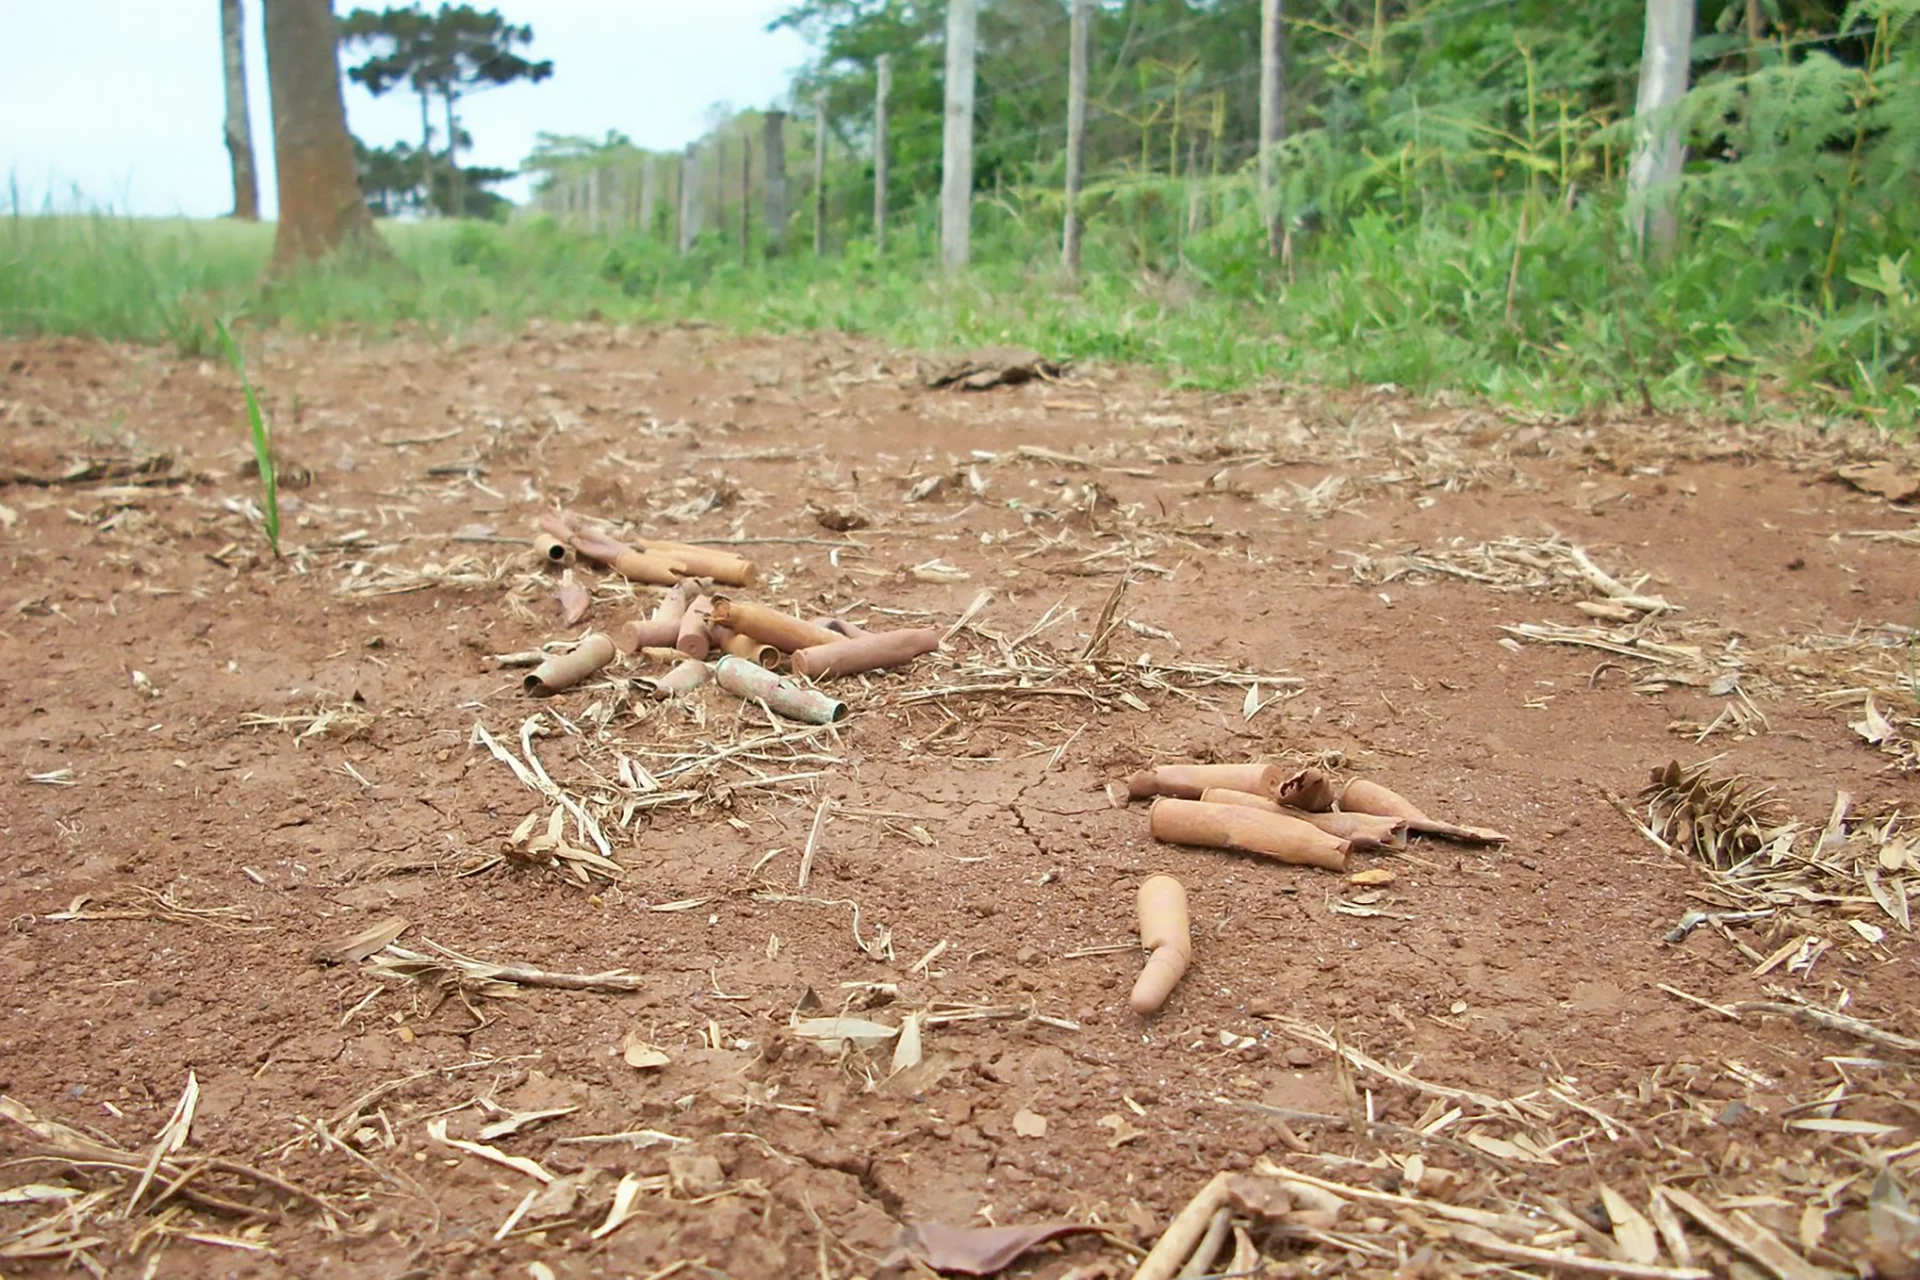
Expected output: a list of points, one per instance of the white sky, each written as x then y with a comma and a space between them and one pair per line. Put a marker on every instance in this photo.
122, 99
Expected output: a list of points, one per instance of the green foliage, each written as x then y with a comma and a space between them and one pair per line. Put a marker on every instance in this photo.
396, 181
262, 442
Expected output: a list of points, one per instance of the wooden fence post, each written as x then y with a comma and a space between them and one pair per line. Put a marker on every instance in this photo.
773, 164
1273, 118
1665, 58
690, 197
721, 171
649, 181
882, 84
956, 152
1077, 50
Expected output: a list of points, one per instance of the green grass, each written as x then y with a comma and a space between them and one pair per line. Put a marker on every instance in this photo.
262, 441
1420, 302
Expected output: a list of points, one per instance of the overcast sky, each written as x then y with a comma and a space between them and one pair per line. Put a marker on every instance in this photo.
122, 99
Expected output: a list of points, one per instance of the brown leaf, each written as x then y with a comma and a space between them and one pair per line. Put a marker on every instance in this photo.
842, 519
979, 1251
356, 947
994, 367
640, 1055
1123, 1131
574, 602
1265, 1199
1884, 479
1873, 725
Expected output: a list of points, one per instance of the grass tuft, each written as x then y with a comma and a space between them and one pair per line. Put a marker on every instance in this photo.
262, 441
1437, 303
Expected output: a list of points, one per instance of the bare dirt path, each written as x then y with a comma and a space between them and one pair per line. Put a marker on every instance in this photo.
211, 763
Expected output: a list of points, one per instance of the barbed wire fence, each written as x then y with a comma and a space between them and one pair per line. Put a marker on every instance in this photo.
1180, 155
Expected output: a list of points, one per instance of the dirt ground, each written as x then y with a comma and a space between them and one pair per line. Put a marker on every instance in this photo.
212, 762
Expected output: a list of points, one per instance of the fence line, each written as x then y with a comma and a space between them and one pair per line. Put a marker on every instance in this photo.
598, 192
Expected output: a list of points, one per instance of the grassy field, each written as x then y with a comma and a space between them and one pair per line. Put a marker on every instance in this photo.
1454, 302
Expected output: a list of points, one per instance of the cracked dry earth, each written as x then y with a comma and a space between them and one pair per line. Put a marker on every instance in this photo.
172, 848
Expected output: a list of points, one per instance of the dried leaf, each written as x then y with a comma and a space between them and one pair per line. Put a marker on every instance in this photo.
1631, 1230
907, 1052
1501, 1149
1123, 1130
939, 571
833, 1032
1029, 1124
1860, 1128
623, 1197
1873, 726
1873, 933
926, 488
38, 1193
521, 1120
1371, 876
1892, 1224
1893, 900
979, 1251
172, 1135
1885, 478
640, 1055
574, 601
437, 1130
356, 947
1747, 1236
842, 519
1813, 1225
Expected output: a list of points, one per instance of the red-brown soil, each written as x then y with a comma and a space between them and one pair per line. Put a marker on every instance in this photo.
142, 624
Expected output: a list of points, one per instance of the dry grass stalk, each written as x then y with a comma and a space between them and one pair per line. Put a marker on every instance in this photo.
462, 573
1824, 878
1550, 566
1571, 1263
212, 1183
551, 848
343, 723
448, 970
158, 905
1515, 1108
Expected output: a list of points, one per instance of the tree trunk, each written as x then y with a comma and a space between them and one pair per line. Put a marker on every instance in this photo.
455, 196
246, 186
321, 208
